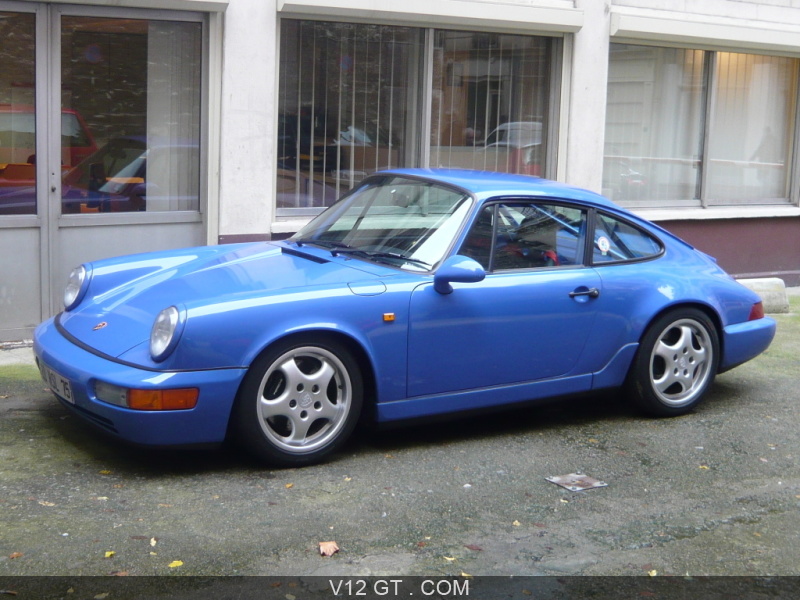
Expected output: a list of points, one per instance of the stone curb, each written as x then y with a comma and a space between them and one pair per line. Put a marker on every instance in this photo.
772, 291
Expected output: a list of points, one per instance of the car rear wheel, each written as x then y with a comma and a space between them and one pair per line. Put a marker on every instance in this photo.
675, 364
299, 402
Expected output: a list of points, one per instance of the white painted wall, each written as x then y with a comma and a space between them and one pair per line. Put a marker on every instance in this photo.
249, 75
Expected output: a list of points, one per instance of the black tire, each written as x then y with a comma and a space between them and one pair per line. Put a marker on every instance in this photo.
675, 364
299, 402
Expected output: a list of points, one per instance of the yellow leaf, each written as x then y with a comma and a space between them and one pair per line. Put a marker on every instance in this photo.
175, 563
466, 575
704, 467
153, 541
652, 573
105, 472
110, 554
348, 479
45, 503
449, 558
289, 486
594, 441
516, 523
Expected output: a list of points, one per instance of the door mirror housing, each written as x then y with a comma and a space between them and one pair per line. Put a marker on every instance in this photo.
457, 269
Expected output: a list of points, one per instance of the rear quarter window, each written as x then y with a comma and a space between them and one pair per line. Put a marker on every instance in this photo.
616, 240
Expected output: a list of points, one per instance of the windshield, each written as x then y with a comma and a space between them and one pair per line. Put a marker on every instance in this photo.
405, 222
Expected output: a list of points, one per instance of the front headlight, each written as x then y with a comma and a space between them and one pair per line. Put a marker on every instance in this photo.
76, 287
165, 333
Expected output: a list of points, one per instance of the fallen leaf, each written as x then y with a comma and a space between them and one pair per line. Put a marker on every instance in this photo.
8, 593
153, 541
704, 467
473, 547
290, 597
289, 486
14, 555
652, 573
102, 596
4, 397
45, 503
175, 563
348, 479
594, 441
165, 505
516, 523
110, 554
328, 548
105, 472
120, 573
763, 460
466, 575
449, 558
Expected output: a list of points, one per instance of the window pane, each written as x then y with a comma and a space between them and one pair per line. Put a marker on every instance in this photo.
753, 121
490, 101
17, 119
526, 236
347, 108
130, 115
407, 223
616, 241
654, 119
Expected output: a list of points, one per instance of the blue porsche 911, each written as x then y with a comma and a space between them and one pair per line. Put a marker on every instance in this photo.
420, 293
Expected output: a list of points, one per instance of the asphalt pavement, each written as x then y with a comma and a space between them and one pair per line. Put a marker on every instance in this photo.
716, 492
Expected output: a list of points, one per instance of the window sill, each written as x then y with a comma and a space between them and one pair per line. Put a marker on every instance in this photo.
715, 213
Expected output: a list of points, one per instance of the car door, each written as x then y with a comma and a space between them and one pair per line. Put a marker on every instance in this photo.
528, 320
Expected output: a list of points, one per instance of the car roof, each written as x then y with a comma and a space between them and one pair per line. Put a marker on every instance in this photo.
485, 185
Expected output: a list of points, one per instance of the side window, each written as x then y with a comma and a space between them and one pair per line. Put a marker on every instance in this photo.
517, 235
616, 241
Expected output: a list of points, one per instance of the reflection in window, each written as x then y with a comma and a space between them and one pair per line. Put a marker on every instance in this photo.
751, 128
17, 119
490, 101
347, 107
666, 145
136, 84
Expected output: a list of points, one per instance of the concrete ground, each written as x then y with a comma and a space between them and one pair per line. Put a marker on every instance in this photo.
715, 492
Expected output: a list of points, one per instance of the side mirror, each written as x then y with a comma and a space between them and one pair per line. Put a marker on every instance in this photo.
457, 269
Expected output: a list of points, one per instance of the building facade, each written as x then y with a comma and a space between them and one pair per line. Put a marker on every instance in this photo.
134, 125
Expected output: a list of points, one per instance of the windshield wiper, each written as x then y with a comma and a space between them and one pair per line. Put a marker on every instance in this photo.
322, 243
378, 254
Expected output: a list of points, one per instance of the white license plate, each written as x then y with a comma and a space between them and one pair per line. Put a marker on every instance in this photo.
58, 383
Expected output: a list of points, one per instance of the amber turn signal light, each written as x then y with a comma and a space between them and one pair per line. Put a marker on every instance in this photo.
180, 399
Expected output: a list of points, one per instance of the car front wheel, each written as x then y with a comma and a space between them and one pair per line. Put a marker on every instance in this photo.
299, 402
675, 364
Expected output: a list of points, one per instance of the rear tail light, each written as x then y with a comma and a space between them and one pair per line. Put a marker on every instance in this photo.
757, 312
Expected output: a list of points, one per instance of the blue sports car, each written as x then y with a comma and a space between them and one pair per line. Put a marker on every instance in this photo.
420, 293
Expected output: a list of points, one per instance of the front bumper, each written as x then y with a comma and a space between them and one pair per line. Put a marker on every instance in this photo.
206, 423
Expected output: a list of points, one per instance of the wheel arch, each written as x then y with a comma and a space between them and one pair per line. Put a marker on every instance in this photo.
351, 344
706, 309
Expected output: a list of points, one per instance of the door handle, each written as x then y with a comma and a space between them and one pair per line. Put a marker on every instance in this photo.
591, 292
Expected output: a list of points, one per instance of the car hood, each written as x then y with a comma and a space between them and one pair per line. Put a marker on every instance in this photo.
125, 295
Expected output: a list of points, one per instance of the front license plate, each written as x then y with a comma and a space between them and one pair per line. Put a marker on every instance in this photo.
58, 383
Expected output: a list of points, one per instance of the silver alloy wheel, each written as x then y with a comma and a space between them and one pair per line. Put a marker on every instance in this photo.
304, 399
680, 362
